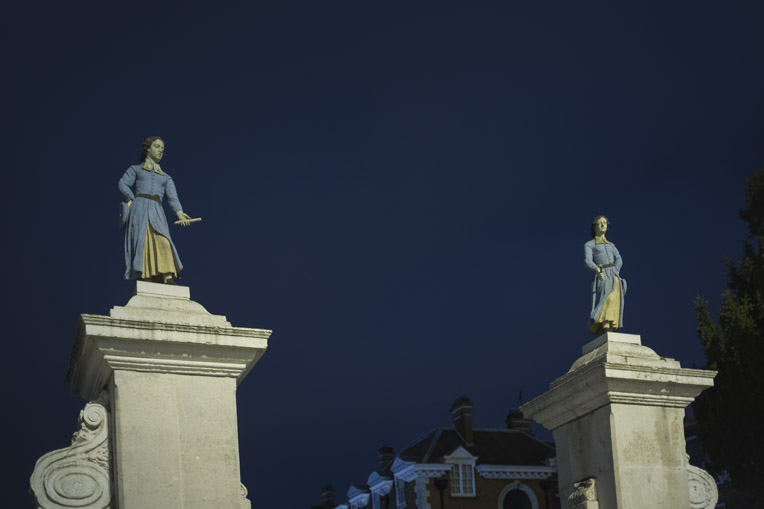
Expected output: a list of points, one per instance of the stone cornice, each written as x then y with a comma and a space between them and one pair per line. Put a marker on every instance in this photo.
406, 473
613, 373
431, 469
515, 471
169, 329
178, 336
414, 471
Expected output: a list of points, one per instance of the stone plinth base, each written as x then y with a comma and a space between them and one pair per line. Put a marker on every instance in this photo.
175, 440
617, 419
168, 371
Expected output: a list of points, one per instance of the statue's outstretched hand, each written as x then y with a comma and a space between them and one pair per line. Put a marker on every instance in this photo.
184, 218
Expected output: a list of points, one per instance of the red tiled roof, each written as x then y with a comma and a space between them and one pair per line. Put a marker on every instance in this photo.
492, 447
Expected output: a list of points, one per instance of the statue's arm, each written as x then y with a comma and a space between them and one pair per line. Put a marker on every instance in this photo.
174, 202
126, 183
589, 258
618, 259
172, 196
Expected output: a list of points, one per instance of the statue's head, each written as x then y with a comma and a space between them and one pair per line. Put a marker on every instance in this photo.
150, 146
599, 225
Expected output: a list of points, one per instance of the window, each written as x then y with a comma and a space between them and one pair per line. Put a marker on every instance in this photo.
517, 495
462, 480
462, 472
400, 492
516, 499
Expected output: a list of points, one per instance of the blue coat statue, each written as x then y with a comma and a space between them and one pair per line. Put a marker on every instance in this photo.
149, 251
608, 289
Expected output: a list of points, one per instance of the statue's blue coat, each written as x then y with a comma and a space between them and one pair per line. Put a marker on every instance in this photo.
143, 210
596, 255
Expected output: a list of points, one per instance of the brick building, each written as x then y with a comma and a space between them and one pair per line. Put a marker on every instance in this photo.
461, 467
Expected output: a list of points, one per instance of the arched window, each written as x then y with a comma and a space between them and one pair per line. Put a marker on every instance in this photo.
517, 495
516, 499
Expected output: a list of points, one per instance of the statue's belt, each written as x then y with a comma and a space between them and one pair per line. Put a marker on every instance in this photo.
150, 197
601, 266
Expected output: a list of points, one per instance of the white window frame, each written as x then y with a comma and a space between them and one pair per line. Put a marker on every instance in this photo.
462, 473
462, 479
517, 485
400, 492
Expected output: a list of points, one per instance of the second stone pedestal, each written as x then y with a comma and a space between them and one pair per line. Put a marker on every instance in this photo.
617, 420
170, 369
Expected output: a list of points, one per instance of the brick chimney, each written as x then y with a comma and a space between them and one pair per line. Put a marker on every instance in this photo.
386, 457
327, 497
515, 420
461, 414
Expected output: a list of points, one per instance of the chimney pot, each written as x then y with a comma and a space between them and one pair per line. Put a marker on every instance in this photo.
516, 420
386, 456
327, 497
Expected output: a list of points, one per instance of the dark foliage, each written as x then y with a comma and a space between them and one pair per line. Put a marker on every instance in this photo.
731, 414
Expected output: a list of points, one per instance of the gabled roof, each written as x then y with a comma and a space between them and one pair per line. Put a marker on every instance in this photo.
357, 489
459, 454
376, 478
492, 447
358, 494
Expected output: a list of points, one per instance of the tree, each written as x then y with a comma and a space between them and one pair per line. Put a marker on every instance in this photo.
731, 414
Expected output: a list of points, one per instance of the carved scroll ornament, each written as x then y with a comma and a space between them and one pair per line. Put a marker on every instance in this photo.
703, 491
77, 476
584, 494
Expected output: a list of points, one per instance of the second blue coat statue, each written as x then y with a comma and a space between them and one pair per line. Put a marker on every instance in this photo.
149, 251
608, 289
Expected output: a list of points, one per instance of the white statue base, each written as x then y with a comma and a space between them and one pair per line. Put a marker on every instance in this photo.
617, 420
169, 370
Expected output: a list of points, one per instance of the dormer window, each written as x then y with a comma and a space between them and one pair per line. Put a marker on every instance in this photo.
380, 484
462, 480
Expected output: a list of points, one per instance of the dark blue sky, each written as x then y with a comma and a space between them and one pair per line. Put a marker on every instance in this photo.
401, 191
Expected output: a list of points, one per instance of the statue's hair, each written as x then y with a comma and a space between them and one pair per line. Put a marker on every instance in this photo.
592, 228
147, 145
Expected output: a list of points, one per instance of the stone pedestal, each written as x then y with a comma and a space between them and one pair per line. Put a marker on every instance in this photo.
166, 371
617, 419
